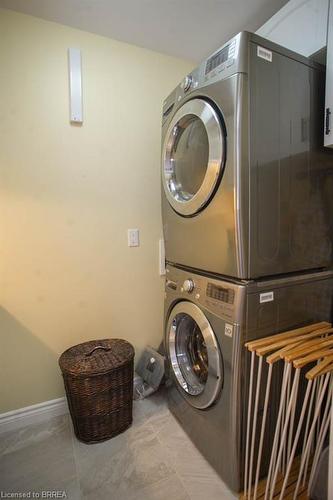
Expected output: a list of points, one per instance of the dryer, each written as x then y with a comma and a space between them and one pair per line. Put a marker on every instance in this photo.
207, 321
247, 184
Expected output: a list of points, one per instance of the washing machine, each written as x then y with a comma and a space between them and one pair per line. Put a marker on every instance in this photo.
207, 322
247, 186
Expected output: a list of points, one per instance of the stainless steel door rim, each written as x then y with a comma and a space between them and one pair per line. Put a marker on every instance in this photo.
199, 393
184, 203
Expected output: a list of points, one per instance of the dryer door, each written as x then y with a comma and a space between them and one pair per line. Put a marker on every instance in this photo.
192, 157
194, 355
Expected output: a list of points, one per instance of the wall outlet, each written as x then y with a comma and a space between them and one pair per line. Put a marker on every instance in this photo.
133, 237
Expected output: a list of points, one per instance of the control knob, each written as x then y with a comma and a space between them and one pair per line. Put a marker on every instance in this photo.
188, 286
187, 83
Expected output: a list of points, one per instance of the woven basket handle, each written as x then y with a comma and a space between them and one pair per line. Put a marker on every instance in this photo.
97, 347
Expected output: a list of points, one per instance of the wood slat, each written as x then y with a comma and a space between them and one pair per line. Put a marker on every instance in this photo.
323, 367
315, 356
297, 349
254, 344
280, 353
291, 485
308, 347
277, 345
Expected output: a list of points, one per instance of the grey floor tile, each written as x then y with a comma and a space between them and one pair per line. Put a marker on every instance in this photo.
147, 410
161, 420
32, 434
198, 477
199, 488
171, 487
118, 468
40, 459
153, 460
139, 414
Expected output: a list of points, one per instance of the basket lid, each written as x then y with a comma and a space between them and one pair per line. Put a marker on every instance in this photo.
96, 357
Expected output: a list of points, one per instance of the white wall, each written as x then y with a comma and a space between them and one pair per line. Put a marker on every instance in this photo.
69, 193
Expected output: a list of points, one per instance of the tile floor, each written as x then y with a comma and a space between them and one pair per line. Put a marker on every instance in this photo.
153, 460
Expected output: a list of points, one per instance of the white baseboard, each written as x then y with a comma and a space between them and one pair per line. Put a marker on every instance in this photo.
34, 414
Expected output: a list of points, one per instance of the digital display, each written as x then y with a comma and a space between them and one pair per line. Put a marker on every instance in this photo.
217, 59
220, 293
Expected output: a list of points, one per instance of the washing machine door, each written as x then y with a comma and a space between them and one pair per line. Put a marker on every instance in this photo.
193, 156
194, 355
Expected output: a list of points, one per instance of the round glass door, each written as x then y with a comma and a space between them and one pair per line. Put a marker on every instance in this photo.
194, 355
193, 156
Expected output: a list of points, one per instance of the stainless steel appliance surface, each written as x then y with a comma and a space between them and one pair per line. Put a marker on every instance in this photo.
207, 321
247, 186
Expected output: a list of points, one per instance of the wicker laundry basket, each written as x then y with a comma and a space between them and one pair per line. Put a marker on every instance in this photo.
98, 378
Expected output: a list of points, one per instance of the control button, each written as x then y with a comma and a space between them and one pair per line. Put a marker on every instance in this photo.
197, 296
187, 83
171, 284
188, 285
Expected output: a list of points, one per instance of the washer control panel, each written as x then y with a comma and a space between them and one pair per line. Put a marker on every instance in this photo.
220, 297
220, 293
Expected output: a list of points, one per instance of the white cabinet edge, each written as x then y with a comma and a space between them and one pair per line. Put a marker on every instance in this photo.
328, 119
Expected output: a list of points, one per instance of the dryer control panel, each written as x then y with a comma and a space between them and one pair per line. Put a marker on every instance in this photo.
228, 60
223, 58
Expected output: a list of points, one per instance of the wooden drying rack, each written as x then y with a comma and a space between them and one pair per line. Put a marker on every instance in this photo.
288, 476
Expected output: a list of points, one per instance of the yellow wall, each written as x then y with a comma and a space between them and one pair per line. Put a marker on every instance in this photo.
68, 195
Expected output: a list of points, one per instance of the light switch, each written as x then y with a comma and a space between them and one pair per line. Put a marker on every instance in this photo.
161, 259
133, 237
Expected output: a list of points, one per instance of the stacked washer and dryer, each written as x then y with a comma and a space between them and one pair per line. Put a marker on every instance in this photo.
247, 207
